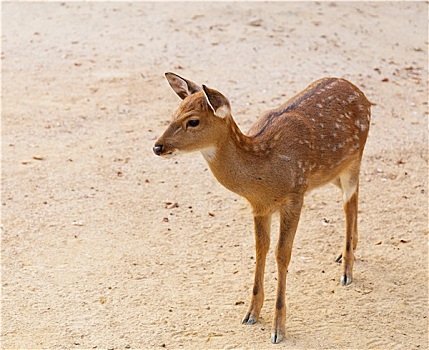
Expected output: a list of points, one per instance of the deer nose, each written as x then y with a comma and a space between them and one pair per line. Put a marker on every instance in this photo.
157, 149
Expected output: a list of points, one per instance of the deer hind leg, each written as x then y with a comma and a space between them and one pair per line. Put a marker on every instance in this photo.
262, 243
289, 218
349, 184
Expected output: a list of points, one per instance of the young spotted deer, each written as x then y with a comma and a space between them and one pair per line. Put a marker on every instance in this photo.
316, 137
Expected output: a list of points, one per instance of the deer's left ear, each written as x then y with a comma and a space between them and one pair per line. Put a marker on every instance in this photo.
181, 86
217, 102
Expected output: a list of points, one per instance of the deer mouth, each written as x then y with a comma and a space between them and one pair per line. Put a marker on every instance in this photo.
170, 154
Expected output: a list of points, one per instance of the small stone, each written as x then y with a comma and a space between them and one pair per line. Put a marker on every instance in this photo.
256, 22
171, 205
77, 223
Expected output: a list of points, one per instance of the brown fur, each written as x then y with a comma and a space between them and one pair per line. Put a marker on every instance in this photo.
316, 137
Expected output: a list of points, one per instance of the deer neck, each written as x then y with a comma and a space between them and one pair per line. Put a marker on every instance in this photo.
230, 158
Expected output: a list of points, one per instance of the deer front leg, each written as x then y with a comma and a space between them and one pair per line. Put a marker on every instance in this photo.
262, 243
289, 218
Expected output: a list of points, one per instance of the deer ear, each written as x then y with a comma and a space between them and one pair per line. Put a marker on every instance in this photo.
181, 86
217, 102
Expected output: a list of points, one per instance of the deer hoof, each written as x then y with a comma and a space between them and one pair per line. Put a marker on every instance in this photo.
248, 320
276, 337
346, 280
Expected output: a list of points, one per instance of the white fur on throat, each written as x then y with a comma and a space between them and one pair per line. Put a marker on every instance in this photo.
209, 153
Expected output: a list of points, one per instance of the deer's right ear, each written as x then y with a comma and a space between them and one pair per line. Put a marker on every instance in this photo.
217, 102
181, 86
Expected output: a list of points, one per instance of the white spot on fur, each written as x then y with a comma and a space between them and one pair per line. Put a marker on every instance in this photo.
361, 126
283, 157
331, 85
351, 98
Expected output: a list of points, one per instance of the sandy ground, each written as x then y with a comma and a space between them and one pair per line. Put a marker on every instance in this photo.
106, 246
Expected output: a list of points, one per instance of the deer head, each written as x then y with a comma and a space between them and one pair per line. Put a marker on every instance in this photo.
198, 122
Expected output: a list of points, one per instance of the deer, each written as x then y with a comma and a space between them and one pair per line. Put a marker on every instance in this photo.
315, 138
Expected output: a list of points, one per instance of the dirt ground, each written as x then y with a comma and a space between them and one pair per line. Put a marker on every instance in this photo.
106, 246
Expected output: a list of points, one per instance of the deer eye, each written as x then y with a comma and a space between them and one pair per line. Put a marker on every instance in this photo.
193, 123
